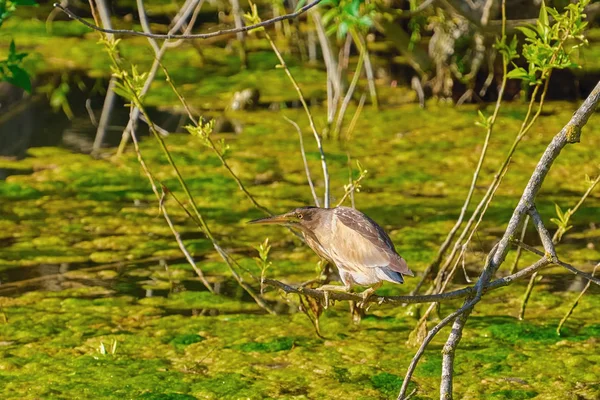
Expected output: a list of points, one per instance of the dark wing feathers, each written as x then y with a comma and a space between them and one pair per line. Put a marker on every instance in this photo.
371, 231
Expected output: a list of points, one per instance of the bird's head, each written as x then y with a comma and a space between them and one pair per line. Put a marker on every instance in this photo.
303, 217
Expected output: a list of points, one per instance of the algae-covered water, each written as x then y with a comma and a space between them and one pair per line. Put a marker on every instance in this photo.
98, 302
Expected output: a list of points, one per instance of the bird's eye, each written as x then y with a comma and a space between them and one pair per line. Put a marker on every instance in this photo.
299, 216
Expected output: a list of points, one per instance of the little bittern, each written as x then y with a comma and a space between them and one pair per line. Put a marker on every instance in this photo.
361, 250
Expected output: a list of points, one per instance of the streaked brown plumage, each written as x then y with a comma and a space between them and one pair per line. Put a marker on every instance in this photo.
361, 250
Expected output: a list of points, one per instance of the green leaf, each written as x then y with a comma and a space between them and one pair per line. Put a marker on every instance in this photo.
19, 78
518, 73
544, 15
530, 33
559, 212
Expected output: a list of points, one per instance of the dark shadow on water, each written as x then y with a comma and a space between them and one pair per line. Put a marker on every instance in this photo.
30, 121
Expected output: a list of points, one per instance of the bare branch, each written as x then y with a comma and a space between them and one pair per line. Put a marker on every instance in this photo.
563, 264
575, 303
168, 36
543, 232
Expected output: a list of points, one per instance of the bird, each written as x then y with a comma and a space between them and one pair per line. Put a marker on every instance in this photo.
360, 249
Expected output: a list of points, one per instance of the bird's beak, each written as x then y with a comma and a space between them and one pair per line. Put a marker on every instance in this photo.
277, 219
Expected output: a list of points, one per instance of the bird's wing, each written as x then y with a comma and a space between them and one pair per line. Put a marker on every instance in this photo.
359, 240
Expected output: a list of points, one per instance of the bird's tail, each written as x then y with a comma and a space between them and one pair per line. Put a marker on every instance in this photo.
389, 275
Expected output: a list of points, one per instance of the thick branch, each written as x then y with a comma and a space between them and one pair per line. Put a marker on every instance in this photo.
190, 36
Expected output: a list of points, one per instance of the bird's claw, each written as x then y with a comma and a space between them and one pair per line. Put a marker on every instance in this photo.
326, 299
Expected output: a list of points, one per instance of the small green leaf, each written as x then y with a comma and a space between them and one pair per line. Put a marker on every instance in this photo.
530, 33
518, 73
19, 78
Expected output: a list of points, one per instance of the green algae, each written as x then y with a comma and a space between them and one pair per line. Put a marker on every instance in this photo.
172, 339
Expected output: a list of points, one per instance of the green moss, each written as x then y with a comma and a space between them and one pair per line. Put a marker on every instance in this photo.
279, 344
166, 396
514, 394
388, 384
186, 339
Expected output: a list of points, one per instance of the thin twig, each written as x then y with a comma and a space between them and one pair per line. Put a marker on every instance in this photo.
563, 264
349, 93
178, 23
515, 265
168, 36
558, 233
527, 294
575, 303
354, 120
306, 168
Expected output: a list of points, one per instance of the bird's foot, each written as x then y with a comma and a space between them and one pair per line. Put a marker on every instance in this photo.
331, 288
366, 295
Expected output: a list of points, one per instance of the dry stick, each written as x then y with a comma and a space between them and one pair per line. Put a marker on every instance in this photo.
163, 209
306, 169
308, 113
168, 36
575, 303
515, 265
486, 201
555, 239
349, 93
446, 244
482, 207
224, 255
528, 291
569, 134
